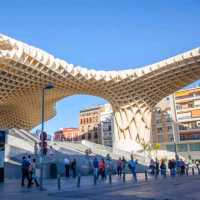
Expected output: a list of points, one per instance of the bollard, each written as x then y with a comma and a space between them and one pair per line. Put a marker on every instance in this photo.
95, 179
124, 177
110, 178
193, 171
78, 180
59, 182
146, 175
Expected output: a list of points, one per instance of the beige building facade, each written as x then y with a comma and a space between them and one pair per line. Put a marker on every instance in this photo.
90, 124
96, 124
67, 134
107, 125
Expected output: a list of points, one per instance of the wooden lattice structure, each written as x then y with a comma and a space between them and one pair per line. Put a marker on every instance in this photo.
25, 70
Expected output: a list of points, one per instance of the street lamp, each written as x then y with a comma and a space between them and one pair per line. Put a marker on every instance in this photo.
173, 126
174, 140
47, 87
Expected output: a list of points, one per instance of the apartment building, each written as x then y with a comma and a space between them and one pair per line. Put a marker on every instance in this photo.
67, 134
188, 113
90, 124
164, 127
96, 124
107, 125
176, 121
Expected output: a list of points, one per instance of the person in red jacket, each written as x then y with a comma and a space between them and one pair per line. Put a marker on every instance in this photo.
102, 167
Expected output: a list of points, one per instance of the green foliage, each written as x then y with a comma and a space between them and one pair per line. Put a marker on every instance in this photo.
156, 146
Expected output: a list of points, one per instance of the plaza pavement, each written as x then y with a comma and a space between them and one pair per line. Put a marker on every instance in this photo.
178, 188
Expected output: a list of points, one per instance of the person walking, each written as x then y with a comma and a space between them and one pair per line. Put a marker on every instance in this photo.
132, 166
67, 166
170, 167
163, 168
124, 162
109, 166
173, 165
34, 176
157, 168
73, 168
119, 167
152, 167
25, 171
30, 168
96, 167
182, 166
102, 169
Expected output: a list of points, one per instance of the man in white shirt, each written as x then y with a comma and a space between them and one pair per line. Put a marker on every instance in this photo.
67, 166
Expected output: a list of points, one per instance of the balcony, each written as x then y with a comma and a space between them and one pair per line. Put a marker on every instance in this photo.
188, 118
187, 129
185, 99
189, 108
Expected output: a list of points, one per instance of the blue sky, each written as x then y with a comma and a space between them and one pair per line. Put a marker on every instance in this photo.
102, 34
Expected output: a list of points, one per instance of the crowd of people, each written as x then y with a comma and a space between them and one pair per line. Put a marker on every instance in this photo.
70, 166
102, 167
105, 167
29, 171
178, 166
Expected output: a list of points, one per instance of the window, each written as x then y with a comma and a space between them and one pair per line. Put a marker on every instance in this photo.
160, 138
89, 136
169, 128
178, 107
170, 147
83, 137
82, 129
182, 147
195, 147
158, 121
194, 136
170, 138
159, 130
95, 135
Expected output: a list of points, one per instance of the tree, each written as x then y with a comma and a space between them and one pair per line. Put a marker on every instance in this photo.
156, 147
146, 148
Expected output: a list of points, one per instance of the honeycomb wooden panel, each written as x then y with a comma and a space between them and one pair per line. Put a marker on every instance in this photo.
25, 70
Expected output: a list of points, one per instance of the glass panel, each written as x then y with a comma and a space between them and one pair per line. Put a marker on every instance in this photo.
182, 147
195, 147
170, 147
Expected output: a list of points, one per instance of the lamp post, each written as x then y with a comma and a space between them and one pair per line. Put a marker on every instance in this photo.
174, 127
47, 87
174, 140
